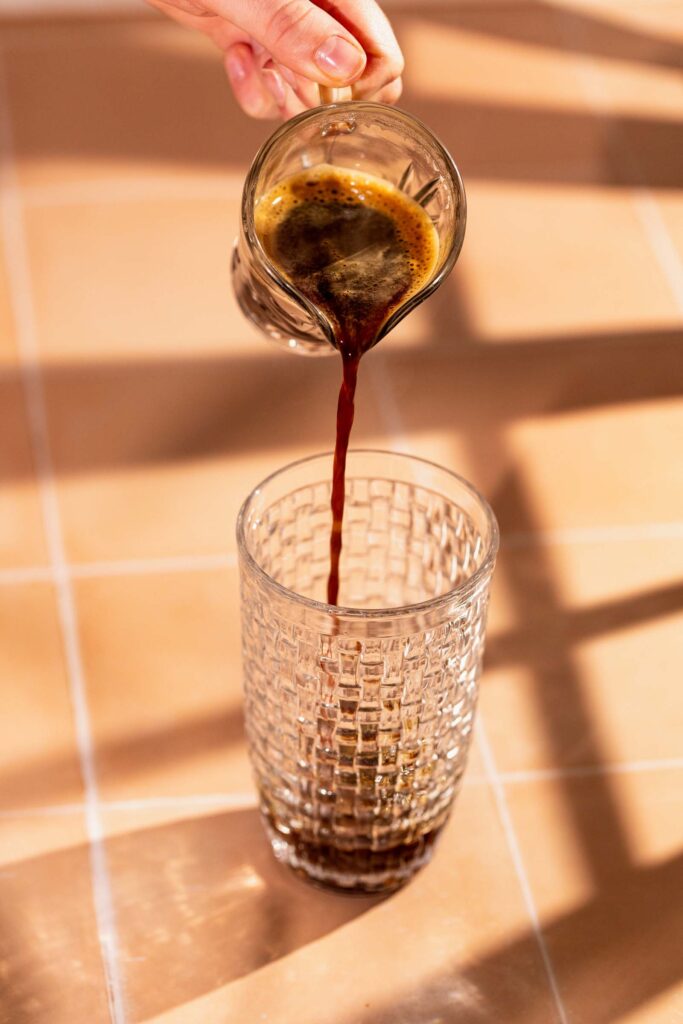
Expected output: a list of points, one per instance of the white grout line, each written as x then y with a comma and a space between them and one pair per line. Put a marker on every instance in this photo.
199, 563
48, 811
226, 801
29, 574
591, 770
22, 308
393, 422
237, 801
149, 566
123, 567
661, 242
594, 535
516, 855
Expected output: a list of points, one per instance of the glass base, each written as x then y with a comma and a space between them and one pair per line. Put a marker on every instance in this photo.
352, 871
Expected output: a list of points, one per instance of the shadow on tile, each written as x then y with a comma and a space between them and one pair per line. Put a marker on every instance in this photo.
171, 107
540, 643
49, 952
150, 412
202, 901
48, 780
584, 32
613, 954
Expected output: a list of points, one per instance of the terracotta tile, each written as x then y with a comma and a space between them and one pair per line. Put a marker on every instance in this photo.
556, 433
50, 954
630, 58
575, 473
607, 878
635, 90
21, 532
162, 662
512, 55
186, 392
21, 528
670, 207
542, 260
38, 755
170, 111
7, 340
126, 280
156, 458
584, 644
507, 102
163, 667
631, 30
291, 952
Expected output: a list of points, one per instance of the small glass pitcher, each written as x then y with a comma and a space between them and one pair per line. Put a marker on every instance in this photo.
370, 137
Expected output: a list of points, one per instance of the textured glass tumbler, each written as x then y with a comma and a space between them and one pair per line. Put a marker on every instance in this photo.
359, 717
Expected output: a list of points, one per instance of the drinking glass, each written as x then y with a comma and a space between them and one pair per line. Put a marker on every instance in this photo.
369, 137
359, 716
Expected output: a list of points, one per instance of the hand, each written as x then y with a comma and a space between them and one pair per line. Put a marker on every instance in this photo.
277, 52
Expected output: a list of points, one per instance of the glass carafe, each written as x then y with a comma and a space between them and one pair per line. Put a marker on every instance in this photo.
369, 137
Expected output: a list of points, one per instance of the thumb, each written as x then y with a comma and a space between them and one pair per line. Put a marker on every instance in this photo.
300, 36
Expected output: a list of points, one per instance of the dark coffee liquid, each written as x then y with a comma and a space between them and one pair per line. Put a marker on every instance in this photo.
393, 861
357, 248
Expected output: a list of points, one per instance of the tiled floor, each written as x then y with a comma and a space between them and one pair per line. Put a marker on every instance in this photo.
137, 409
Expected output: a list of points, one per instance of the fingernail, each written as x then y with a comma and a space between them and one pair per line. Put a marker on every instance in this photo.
339, 59
275, 85
236, 67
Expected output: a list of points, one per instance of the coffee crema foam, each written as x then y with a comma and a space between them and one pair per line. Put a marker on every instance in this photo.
352, 243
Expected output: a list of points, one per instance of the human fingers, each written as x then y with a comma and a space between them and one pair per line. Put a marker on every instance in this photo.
248, 85
301, 36
390, 93
371, 27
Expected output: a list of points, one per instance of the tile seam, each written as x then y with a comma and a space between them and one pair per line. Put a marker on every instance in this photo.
515, 852
615, 534
395, 427
122, 567
244, 800
22, 307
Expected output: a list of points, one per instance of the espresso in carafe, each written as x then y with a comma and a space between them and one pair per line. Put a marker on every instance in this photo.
357, 248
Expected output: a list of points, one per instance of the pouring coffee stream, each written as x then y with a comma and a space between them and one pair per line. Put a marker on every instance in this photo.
356, 247
348, 250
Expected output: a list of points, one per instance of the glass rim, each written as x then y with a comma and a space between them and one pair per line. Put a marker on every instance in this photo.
249, 192
460, 593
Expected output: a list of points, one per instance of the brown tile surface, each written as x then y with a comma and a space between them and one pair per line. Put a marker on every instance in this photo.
650, 88
547, 370
21, 532
162, 662
510, 55
38, 761
517, 97
156, 459
21, 528
7, 340
545, 260
49, 951
584, 653
609, 896
153, 280
170, 114
539, 426
187, 888
670, 207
